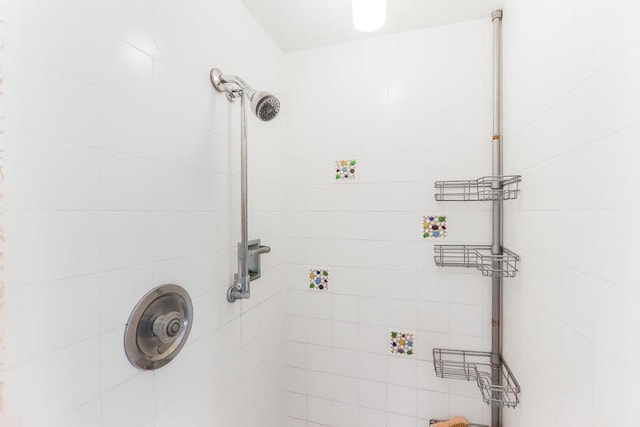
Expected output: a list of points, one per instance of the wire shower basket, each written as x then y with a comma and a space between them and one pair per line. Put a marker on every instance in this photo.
496, 382
478, 257
482, 189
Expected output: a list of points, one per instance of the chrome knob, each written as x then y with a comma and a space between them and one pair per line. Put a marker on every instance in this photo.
167, 326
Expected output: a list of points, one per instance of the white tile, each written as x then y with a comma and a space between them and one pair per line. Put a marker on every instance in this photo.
250, 326
373, 339
402, 314
427, 380
471, 408
126, 183
294, 422
57, 245
182, 188
120, 291
344, 335
130, 404
125, 239
295, 355
401, 400
197, 274
372, 367
402, 371
344, 414
434, 317
88, 415
179, 234
295, 380
296, 328
372, 395
395, 420
52, 175
72, 101
296, 303
344, 308
319, 384
113, 10
319, 304
60, 382
372, 311
115, 367
125, 69
70, 302
344, 389
319, 331
432, 405
319, 358
344, 362
468, 319
295, 405
319, 411
371, 418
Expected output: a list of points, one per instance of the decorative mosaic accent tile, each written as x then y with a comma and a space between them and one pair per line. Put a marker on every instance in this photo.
401, 342
345, 169
434, 226
319, 279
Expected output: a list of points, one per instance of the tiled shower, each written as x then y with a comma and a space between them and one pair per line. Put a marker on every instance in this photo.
120, 172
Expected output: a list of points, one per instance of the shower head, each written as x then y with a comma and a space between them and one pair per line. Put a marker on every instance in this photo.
263, 104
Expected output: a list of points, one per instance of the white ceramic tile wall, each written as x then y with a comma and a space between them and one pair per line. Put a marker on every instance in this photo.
571, 129
411, 109
122, 174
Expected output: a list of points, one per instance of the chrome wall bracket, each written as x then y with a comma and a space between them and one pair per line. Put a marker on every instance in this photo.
158, 327
239, 289
255, 250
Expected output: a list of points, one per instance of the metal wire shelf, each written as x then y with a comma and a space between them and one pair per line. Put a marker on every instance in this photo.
496, 381
431, 422
479, 190
478, 257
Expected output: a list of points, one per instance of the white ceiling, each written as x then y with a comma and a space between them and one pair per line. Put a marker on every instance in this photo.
304, 24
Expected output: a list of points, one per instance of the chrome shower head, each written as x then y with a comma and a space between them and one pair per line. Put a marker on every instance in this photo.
263, 104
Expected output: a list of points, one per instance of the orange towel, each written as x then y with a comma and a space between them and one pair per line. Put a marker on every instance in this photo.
453, 422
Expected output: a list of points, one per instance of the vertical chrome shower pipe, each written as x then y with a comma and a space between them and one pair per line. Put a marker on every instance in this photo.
496, 243
243, 288
266, 107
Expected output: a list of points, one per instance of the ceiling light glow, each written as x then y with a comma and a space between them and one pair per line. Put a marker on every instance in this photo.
369, 15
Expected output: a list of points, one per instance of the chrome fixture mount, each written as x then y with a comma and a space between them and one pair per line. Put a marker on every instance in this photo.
263, 104
266, 107
158, 327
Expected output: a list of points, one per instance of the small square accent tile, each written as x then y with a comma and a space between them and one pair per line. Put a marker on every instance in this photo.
434, 226
319, 279
401, 342
345, 169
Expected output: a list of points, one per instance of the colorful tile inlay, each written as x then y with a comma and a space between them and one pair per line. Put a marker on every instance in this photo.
319, 279
345, 169
434, 226
401, 342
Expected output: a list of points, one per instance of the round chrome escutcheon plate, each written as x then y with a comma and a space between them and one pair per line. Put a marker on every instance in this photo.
158, 327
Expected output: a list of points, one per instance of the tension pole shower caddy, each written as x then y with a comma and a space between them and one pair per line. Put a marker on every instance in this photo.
498, 386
